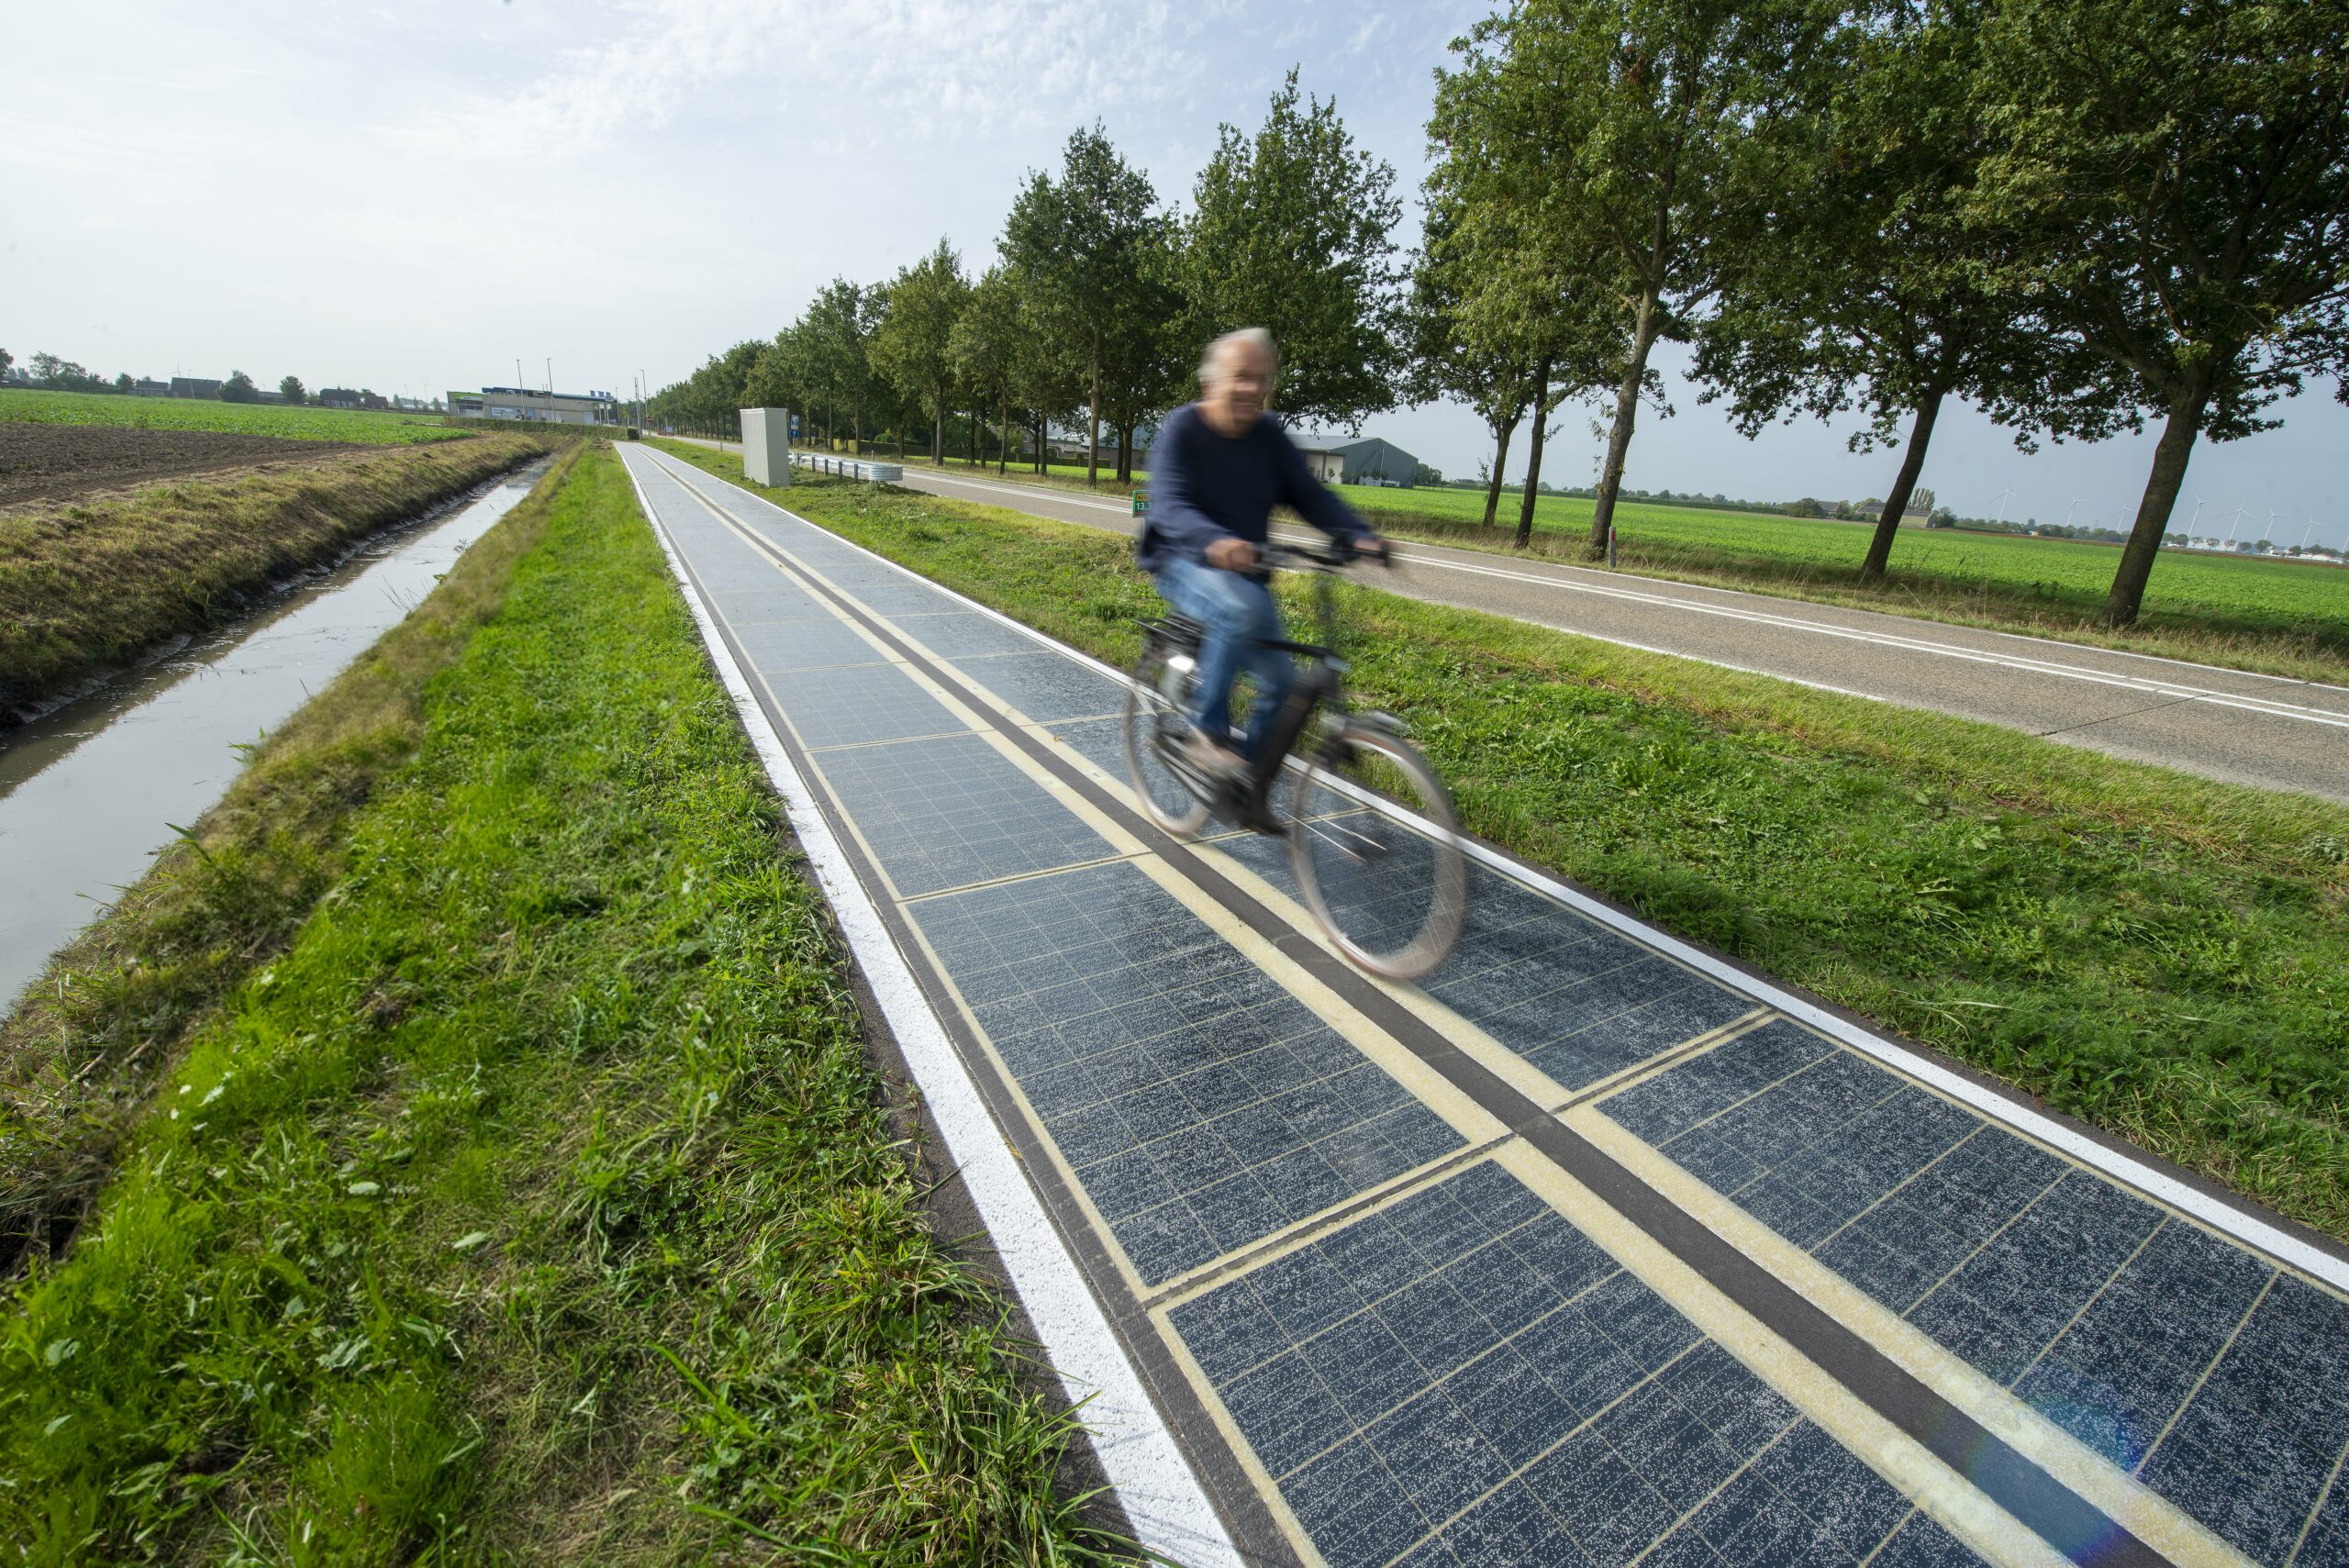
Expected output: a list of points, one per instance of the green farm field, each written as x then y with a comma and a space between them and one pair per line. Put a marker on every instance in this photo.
244, 418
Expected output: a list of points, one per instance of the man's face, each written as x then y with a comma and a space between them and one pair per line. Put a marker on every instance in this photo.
1244, 374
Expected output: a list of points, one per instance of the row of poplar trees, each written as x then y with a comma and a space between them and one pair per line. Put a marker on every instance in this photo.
2082, 216
1095, 311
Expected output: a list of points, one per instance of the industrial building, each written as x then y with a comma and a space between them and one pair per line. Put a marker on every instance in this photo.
528, 404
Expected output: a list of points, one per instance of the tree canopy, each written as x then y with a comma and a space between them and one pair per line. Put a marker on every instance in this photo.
1085, 243
1293, 230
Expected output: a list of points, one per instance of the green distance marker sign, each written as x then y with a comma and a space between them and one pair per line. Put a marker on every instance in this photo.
1141, 503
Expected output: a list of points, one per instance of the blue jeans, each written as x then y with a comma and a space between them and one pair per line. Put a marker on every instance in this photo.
1239, 615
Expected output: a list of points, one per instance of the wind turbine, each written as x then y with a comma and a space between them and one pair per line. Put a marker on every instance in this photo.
2192, 520
2307, 536
2233, 526
2070, 510
2002, 505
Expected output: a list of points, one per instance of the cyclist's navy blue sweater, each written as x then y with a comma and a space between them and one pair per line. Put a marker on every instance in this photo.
1204, 486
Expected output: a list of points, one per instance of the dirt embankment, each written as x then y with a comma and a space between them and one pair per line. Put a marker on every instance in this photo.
58, 462
89, 584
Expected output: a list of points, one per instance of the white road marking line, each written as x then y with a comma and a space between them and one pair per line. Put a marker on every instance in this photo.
2269, 706
2274, 708
2214, 1212
1163, 1498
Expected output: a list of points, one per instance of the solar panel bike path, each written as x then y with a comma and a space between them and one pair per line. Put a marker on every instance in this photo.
1593, 1249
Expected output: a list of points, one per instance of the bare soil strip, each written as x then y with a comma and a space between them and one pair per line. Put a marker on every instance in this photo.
57, 462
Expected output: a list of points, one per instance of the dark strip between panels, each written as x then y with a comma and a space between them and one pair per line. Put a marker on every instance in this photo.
2069, 1523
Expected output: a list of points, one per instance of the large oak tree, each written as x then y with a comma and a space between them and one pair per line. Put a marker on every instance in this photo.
1856, 277
2180, 172
1614, 130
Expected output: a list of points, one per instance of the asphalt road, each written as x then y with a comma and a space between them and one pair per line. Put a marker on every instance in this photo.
2224, 724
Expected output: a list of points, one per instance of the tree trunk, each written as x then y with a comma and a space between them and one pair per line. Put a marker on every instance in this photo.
1003, 437
938, 432
1533, 456
1904, 485
2170, 455
1125, 455
1627, 413
1037, 426
1501, 433
1092, 426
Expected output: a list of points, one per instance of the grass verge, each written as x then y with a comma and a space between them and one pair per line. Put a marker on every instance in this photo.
527, 1195
2165, 956
84, 586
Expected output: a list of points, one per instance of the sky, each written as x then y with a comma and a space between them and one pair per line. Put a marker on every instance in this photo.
416, 197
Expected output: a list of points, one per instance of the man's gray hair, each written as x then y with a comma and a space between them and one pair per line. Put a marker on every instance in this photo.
1254, 336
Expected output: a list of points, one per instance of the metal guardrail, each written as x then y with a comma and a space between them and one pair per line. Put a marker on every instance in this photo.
849, 467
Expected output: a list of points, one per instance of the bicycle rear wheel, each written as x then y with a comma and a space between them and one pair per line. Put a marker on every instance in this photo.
1377, 852
1155, 728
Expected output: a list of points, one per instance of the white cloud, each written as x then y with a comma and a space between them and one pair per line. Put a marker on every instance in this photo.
932, 67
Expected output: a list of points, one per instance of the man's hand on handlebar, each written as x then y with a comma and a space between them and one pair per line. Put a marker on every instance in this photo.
1228, 554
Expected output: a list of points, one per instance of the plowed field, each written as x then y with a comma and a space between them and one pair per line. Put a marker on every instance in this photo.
52, 462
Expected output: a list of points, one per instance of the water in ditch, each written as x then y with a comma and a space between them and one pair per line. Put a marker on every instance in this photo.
89, 793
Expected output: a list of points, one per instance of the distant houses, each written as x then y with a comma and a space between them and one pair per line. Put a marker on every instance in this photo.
531, 404
1071, 449
1367, 460
146, 388
196, 386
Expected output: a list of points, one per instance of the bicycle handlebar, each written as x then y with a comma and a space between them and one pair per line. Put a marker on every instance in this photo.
1332, 557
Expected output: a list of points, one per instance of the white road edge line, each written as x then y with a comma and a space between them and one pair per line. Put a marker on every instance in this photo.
2273, 708
2216, 1213
1163, 1498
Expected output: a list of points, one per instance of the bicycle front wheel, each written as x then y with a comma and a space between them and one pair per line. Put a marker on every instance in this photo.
1377, 852
1155, 730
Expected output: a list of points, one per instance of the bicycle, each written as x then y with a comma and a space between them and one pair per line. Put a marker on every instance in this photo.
1372, 840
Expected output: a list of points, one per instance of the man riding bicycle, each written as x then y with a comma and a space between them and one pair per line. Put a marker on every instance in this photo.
1218, 468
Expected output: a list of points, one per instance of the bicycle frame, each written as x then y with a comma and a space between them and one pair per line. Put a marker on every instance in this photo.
1322, 684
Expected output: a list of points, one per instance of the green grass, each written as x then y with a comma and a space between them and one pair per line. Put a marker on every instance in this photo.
2162, 955
372, 428
528, 1196
88, 584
